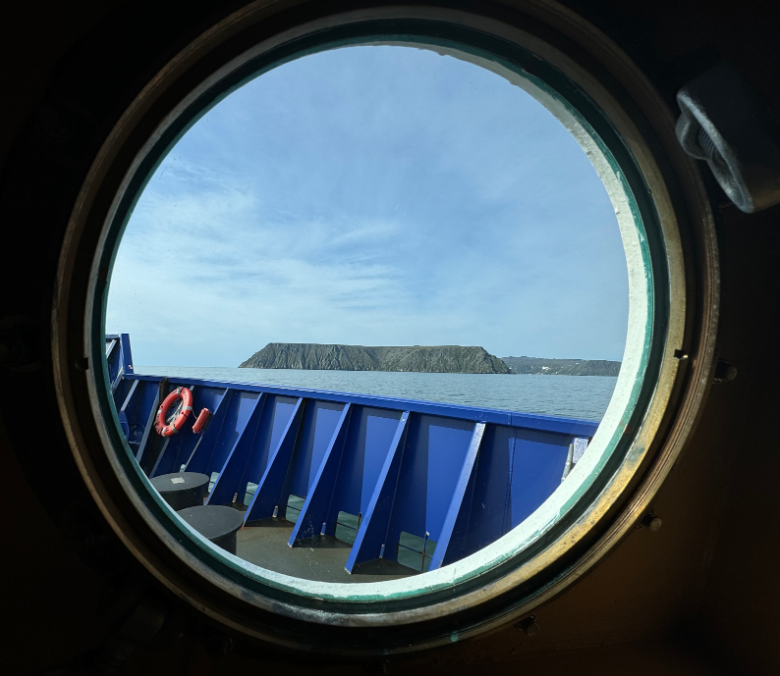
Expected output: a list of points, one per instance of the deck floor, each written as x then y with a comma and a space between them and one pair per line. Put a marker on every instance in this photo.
323, 558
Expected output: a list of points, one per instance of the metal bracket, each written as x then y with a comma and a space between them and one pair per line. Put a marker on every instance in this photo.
528, 626
724, 372
725, 123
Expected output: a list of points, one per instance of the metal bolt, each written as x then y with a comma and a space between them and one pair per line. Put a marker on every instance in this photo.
724, 372
528, 626
652, 522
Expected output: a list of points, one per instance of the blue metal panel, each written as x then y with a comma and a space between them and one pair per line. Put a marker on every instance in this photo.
274, 418
567, 426
456, 548
135, 387
539, 460
137, 408
229, 483
517, 470
465, 412
202, 450
147, 439
113, 359
127, 354
121, 387
320, 491
488, 519
193, 451
436, 449
268, 493
122, 410
427, 477
458, 494
240, 408
370, 538
184, 445
319, 425
371, 433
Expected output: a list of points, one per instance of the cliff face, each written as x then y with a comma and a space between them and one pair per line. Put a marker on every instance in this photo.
562, 367
421, 359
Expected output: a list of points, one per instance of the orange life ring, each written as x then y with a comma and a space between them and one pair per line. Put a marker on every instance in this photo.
161, 426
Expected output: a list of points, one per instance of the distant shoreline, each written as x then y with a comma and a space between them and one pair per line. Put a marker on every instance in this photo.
562, 367
418, 359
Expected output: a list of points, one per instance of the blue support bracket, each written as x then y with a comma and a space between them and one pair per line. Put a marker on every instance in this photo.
454, 478
227, 484
111, 345
129, 398
127, 354
120, 361
200, 456
373, 530
166, 460
148, 428
269, 489
315, 508
122, 413
111, 342
238, 414
437, 561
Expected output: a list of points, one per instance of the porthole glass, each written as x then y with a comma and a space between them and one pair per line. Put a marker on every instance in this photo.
376, 216
415, 200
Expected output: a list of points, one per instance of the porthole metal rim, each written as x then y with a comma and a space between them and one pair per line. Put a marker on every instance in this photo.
626, 519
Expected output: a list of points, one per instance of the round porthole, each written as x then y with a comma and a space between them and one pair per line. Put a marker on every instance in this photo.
628, 135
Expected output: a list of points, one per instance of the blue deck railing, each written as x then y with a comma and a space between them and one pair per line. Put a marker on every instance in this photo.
419, 482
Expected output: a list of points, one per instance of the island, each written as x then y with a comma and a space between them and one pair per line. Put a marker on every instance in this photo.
415, 358
419, 359
562, 367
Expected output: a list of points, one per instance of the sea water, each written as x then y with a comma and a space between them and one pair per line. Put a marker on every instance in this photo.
568, 396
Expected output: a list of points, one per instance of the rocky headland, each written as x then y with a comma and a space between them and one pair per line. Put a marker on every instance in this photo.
417, 358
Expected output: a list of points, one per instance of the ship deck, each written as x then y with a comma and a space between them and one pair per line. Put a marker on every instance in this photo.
344, 487
324, 558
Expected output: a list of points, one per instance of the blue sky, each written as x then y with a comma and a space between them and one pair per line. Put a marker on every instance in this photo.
372, 195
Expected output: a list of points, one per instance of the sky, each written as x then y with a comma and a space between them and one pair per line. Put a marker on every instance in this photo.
372, 195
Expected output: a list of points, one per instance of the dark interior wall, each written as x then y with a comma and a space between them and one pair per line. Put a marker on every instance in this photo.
739, 604
35, 36
735, 614
697, 597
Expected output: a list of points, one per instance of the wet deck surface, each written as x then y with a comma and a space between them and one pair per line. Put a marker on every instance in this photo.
264, 543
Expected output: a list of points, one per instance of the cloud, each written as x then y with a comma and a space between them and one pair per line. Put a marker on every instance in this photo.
374, 195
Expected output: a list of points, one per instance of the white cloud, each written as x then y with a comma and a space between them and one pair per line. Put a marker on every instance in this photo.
293, 213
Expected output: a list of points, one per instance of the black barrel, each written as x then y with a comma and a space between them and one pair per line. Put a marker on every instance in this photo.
217, 523
182, 489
